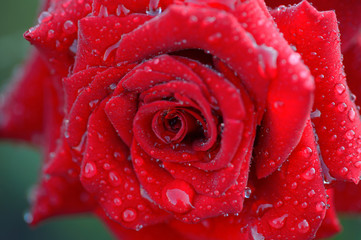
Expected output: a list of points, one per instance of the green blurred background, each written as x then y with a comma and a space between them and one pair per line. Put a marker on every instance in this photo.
19, 164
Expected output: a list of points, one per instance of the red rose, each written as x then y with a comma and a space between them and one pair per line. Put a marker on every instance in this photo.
189, 119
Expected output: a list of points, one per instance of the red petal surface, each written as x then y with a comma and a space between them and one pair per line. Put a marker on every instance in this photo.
109, 176
179, 28
338, 125
56, 32
88, 98
352, 61
95, 51
348, 197
155, 232
290, 93
289, 204
347, 13
58, 196
330, 224
22, 103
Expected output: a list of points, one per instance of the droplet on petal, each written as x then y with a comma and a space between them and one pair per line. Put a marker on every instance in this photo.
303, 226
177, 196
278, 222
129, 215
90, 170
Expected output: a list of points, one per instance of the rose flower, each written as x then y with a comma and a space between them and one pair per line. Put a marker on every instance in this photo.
194, 119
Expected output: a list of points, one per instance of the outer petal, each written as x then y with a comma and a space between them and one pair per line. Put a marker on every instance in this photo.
347, 13
22, 105
58, 196
93, 52
337, 124
109, 176
348, 197
155, 232
330, 224
56, 32
290, 93
352, 61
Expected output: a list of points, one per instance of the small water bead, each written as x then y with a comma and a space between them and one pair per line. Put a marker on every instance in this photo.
294, 58
279, 222
341, 107
247, 192
114, 179
340, 88
69, 27
344, 171
303, 226
28, 217
307, 152
44, 17
321, 206
51, 34
350, 134
117, 201
304, 205
90, 170
129, 215
309, 174
311, 193
351, 114
357, 164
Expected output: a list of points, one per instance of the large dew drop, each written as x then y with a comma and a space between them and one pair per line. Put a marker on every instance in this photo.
177, 196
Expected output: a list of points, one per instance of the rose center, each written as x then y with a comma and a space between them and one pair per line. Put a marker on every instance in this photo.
172, 126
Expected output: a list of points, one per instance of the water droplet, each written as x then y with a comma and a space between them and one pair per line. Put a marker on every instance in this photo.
303, 226
307, 152
129, 215
44, 17
344, 171
69, 27
117, 201
351, 114
247, 192
90, 170
114, 179
309, 174
321, 206
294, 185
341, 107
51, 34
177, 196
294, 58
304, 205
350, 134
357, 164
311, 193
279, 222
28, 217
340, 88
262, 208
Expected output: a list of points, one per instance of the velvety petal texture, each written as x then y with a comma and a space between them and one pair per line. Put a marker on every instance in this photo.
193, 119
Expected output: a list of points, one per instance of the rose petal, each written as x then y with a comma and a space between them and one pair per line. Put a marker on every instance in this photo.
56, 196
21, 105
57, 31
93, 52
346, 12
158, 231
339, 133
109, 176
179, 28
275, 141
347, 197
278, 208
87, 100
330, 224
184, 204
